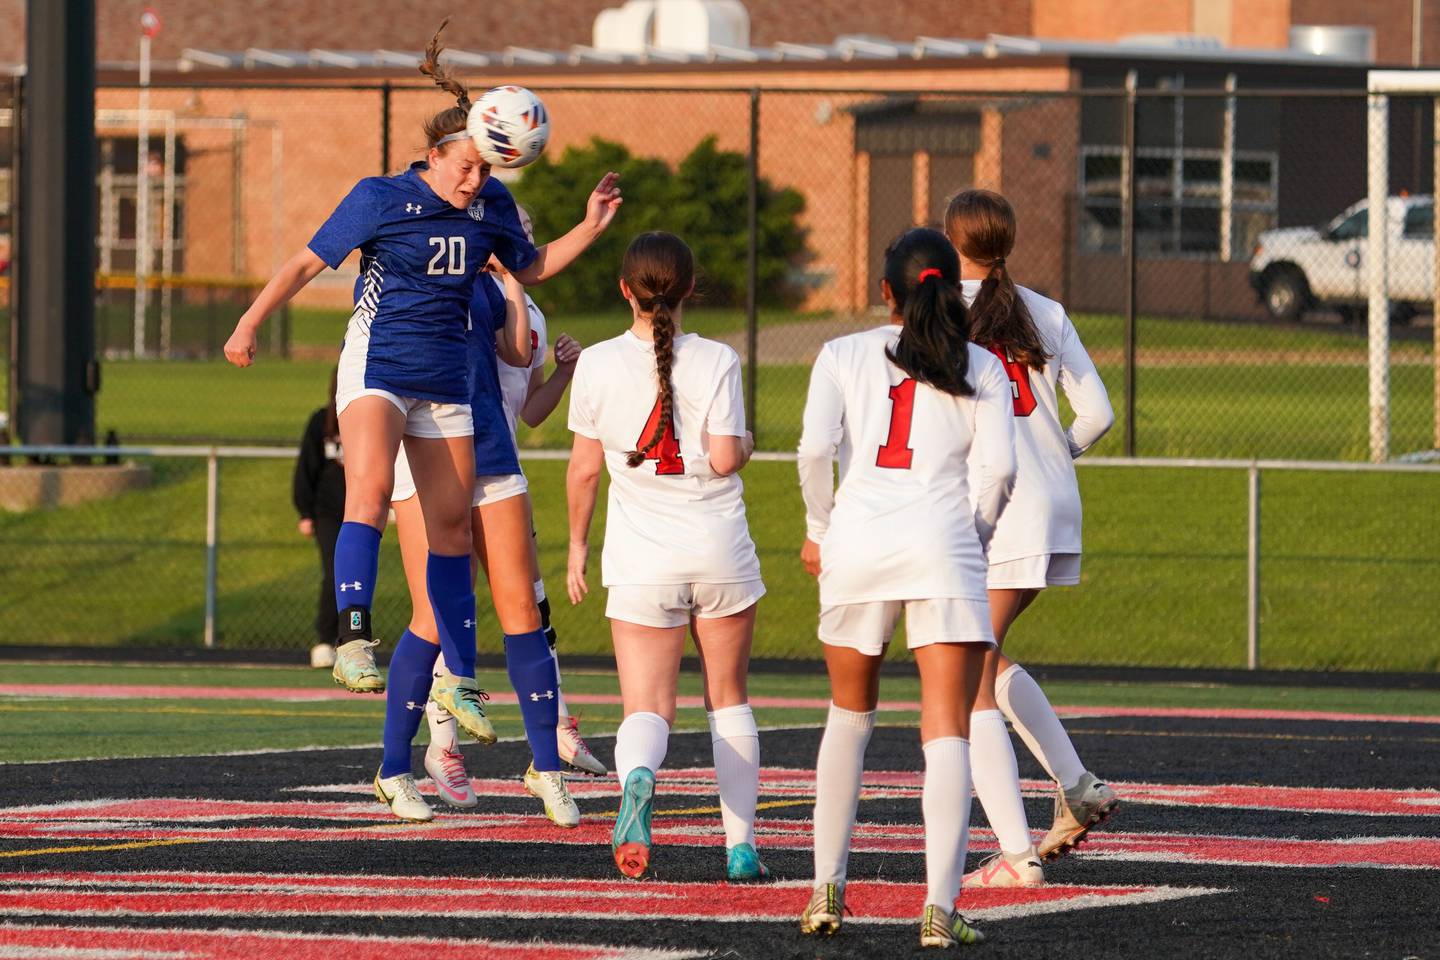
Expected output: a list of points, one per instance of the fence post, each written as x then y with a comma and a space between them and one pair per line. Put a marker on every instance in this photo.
385, 129
1252, 571
1377, 253
12, 397
752, 265
1127, 242
212, 542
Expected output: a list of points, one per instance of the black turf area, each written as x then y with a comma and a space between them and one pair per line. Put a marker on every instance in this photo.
1307, 911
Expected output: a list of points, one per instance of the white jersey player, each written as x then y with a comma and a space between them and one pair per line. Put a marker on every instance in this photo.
913, 411
663, 411
1037, 542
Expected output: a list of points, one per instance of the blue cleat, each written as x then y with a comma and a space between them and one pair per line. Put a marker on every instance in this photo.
630, 841
743, 863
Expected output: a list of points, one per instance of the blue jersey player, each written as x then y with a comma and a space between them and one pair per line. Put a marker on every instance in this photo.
423, 237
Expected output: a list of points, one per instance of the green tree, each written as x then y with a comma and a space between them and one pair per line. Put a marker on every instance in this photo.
703, 201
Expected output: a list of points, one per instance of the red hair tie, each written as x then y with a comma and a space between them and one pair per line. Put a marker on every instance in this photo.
929, 272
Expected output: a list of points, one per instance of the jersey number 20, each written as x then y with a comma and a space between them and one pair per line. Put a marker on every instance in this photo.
455, 262
666, 453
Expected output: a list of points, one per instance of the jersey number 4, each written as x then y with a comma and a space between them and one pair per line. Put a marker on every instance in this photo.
1019, 375
896, 453
666, 453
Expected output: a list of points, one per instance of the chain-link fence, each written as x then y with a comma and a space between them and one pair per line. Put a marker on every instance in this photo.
1210, 245
1281, 566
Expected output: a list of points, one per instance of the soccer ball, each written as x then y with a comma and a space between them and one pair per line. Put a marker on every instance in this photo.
510, 126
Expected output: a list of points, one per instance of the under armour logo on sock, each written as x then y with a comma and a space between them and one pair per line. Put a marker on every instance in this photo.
547, 695
350, 586
412, 705
470, 624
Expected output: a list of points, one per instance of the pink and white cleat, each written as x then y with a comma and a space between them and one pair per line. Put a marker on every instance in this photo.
447, 769
573, 751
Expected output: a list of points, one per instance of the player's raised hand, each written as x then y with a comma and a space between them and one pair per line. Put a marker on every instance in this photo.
567, 353
575, 572
604, 202
240, 348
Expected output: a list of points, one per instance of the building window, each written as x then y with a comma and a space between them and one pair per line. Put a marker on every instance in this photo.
1178, 200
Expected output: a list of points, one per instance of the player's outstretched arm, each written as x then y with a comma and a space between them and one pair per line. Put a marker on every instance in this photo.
512, 343
545, 393
288, 281
556, 255
582, 481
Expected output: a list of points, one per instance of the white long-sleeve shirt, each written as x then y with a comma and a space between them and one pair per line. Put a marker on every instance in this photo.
1044, 515
901, 525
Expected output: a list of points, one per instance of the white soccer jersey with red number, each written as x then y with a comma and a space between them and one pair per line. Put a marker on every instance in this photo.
903, 523
515, 381
1044, 513
671, 519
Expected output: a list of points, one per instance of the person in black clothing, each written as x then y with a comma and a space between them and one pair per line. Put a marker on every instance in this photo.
320, 500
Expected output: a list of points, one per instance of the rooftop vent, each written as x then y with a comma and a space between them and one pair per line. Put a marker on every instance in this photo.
691, 26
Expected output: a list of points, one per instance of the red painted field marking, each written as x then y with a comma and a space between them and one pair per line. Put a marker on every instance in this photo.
249, 944
283, 895
173, 692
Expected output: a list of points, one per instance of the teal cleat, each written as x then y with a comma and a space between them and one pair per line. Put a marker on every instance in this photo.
743, 863
462, 698
630, 841
355, 668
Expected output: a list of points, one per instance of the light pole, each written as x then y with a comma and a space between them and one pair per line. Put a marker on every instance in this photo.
149, 27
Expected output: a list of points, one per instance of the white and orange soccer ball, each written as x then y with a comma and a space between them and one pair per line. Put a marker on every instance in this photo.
510, 126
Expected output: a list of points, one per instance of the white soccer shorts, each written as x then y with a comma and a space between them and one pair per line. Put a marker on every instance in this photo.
1035, 573
673, 604
869, 626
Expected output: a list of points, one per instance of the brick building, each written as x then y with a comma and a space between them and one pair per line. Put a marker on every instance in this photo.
857, 124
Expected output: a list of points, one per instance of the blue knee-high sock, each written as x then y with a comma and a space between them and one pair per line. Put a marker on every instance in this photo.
452, 597
357, 559
537, 687
406, 691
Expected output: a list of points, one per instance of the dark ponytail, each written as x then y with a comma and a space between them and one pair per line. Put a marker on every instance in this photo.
981, 224
924, 276
659, 269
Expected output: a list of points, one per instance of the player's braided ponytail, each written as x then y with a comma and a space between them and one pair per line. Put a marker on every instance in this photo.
446, 121
660, 271
934, 345
981, 224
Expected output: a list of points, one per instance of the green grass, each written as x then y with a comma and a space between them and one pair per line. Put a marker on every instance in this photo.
1348, 572
78, 727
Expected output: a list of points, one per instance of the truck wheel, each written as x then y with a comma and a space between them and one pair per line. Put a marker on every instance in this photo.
1286, 294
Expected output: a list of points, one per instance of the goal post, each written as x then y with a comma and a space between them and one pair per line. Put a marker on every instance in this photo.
1381, 85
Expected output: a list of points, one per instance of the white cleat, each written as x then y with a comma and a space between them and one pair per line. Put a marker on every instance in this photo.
1007, 870
573, 751
549, 787
447, 770
1078, 810
400, 794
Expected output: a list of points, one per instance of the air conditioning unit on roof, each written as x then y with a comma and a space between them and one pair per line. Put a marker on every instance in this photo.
692, 26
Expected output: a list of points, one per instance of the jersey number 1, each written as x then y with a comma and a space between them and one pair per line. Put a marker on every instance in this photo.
896, 453
666, 453
1019, 375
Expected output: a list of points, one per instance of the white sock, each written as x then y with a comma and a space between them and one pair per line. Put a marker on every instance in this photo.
641, 741
838, 770
1025, 704
444, 731
736, 744
997, 780
947, 822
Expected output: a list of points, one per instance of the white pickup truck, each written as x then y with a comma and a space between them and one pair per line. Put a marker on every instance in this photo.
1295, 269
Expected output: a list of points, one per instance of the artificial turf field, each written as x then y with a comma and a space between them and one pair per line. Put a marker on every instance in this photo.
1245, 831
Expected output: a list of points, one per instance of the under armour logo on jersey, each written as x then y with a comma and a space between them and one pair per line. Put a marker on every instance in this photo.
477, 210
547, 695
350, 586
412, 208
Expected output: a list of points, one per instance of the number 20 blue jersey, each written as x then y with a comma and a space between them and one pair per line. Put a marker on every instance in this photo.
419, 258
